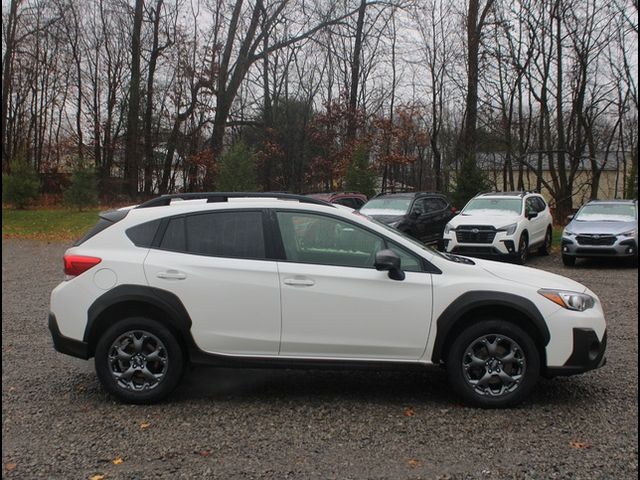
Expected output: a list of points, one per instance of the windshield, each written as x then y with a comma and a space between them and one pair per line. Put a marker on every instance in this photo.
387, 206
407, 237
493, 206
607, 212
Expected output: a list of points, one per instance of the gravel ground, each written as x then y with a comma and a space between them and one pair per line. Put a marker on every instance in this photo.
58, 423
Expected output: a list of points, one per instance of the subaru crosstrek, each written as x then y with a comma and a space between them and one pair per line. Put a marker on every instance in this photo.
501, 225
277, 280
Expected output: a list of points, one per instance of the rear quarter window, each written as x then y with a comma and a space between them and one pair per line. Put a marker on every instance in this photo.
142, 235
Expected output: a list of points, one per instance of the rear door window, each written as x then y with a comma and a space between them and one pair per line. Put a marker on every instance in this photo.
218, 234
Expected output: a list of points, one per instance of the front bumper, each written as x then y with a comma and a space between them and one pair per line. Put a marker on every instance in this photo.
623, 247
588, 354
66, 345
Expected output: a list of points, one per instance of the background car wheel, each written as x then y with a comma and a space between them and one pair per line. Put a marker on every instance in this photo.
545, 249
493, 364
568, 260
138, 360
523, 249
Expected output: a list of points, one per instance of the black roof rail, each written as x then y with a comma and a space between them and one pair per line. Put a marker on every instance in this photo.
216, 197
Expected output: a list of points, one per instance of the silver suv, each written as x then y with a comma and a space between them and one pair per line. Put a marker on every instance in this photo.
602, 228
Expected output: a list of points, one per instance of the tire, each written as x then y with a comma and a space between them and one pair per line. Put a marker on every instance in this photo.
523, 249
138, 360
545, 249
498, 383
568, 260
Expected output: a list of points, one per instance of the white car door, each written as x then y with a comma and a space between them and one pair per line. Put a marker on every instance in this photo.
537, 224
215, 263
335, 304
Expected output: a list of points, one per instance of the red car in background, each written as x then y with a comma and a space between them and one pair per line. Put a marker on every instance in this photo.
353, 200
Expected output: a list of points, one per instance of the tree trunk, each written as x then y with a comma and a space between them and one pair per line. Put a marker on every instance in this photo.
132, 147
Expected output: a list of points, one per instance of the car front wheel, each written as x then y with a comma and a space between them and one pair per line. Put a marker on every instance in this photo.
493, 364
523, 250
138, 360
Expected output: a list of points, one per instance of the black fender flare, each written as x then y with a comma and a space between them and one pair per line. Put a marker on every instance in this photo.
481, 299
164, 300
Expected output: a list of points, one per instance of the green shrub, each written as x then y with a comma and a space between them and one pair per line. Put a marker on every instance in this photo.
21, 185
470, 181
83, 191
237, 170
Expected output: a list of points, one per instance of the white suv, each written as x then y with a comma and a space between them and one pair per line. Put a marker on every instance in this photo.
501, 225
276, 280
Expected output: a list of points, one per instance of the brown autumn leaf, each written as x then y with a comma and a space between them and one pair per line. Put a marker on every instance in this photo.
204, 453
97, 476
144, 425
10, 466
409, 412
117, 461
413, 463
579, 445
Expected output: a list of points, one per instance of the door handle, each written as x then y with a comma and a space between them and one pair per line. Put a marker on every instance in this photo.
299, 282
171, 275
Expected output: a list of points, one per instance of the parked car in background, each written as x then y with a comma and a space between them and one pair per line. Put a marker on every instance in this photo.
502, 225
353, 200
602, 228
421, 215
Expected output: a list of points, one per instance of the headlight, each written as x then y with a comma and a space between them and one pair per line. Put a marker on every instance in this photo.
447, 228
569, 300
568, 232
630, 233
509, 229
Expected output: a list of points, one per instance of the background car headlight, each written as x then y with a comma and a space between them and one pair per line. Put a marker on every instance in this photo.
509, 229
569, 300
568, 232
630, 233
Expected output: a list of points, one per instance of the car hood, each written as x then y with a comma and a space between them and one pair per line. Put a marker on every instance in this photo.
497, 221
529, 276
386, 219
595, 227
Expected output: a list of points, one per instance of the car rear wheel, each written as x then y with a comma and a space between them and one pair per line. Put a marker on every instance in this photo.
568, 260
138, 360
493, 364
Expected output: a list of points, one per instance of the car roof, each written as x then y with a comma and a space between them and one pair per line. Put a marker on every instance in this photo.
508, 194
410, 194
615, 201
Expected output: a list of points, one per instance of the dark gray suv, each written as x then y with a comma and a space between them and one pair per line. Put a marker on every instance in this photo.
602, 228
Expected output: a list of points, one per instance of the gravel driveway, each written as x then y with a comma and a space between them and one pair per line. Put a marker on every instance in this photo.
58, 423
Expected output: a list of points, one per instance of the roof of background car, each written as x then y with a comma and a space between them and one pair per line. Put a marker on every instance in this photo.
614, 201
409, 194
507, 194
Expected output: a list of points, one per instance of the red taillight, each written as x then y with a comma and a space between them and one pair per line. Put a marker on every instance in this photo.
76, 264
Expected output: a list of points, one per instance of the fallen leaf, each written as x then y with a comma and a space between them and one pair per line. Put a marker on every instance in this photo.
12, 389
204, 453
579, 445
97, 476
413, 463
408, 412
144, 425
10, 466
117, 461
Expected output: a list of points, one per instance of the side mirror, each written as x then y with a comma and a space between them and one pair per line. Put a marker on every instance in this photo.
532, 214
414, 214
570, 217
388, 260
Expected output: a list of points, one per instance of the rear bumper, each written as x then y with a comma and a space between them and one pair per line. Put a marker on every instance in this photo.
588, 354
66, 345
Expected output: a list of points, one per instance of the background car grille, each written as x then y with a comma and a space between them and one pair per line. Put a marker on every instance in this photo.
475, 234
596, 239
